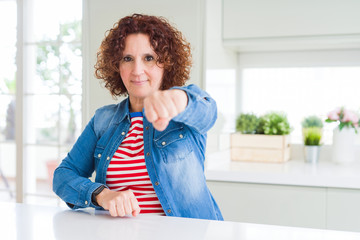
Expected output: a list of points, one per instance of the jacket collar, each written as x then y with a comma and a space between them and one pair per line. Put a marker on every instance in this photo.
122, 111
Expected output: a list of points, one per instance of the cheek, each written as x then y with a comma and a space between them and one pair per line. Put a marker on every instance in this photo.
160, 74
124, 74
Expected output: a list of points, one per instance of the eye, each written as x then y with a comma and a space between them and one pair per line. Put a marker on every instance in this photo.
149, 58
127, 59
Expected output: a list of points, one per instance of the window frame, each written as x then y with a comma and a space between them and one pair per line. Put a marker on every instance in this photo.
23, 14
284, 59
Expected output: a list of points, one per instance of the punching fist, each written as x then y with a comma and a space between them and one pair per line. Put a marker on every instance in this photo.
161, 106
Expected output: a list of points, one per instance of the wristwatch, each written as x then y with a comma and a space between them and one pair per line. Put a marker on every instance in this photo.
95, 193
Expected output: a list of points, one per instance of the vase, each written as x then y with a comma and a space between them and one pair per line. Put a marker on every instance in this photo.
343, 148
311, 154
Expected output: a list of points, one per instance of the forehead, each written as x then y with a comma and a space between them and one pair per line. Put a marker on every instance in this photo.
137, 42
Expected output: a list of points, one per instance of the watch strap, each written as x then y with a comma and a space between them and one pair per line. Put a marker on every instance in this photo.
95, 193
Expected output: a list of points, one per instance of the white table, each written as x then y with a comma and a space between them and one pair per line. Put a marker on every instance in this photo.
20, 221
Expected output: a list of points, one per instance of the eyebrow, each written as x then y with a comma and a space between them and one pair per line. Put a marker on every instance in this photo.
145, 54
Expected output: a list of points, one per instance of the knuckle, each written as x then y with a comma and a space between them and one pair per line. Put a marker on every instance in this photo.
118, 198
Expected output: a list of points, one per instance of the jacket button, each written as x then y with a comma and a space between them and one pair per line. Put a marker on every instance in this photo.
123, 133
157, 183
147, 127
163, 143
108, 158
99, 155
169, 210
86, 202
181, 136
147, 154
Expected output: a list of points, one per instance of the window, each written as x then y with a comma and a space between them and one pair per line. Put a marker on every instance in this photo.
7, 99
52, 92
301, 92
220, 84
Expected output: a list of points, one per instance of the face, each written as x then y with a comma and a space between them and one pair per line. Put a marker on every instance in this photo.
138, 68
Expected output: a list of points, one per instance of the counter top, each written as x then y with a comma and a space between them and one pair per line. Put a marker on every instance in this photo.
294, 172
21, 221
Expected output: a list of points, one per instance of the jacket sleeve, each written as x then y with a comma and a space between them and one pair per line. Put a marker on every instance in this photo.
71, 178
200, 112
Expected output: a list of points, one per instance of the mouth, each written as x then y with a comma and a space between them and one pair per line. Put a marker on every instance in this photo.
139, 82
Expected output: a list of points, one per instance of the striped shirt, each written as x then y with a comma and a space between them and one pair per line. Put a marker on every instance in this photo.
127, 169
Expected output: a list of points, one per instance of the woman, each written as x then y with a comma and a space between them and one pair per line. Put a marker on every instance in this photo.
148, 151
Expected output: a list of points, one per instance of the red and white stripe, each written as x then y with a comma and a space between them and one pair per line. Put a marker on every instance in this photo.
127, 170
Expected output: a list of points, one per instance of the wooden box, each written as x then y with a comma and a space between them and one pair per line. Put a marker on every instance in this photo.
260, 147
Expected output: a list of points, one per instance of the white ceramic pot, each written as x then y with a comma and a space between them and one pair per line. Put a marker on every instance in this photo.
343, 148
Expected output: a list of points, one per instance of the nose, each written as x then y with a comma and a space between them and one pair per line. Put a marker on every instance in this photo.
138, 68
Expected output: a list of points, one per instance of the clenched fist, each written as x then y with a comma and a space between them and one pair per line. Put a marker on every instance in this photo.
118, 203
161, 106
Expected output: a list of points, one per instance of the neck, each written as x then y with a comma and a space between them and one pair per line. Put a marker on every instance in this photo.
136, 105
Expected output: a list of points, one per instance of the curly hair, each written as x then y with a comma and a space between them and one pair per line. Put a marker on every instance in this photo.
168, 43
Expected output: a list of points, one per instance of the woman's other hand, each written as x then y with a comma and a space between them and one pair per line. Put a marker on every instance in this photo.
161, 106
120, 203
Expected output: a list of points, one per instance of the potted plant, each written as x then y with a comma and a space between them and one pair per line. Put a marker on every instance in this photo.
274, 123
312, 130
343, 147
312, 143
312, 121
270, 143
247, 123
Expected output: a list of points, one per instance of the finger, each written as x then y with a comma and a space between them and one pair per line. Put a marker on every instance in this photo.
112, 210
127, 206
120, 209
169, 104
180, 99
172, 109
135, 206
160, 107
161, 124
150, 112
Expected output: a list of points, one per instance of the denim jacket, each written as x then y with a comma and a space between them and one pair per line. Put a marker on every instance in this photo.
174, 157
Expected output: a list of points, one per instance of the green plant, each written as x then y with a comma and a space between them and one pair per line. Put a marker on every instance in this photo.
312, 121
274, 123
247, 123
260, 127
312, 136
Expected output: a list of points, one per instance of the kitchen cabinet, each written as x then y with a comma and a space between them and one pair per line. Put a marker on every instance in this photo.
271, 204
297, 206
258, 25
323, 195
343, 209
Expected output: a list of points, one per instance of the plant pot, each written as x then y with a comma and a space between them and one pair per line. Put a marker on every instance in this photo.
260, 148
311, 154
343, 148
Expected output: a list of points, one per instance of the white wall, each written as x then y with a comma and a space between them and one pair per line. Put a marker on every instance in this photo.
262, 25
220, 64
216, 55
99, 16
284, 18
